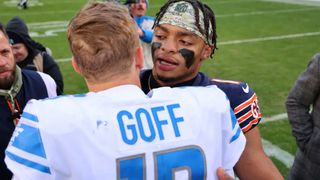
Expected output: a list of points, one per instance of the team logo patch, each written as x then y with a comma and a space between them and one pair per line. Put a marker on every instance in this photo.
245, 89
181, 8
255, 109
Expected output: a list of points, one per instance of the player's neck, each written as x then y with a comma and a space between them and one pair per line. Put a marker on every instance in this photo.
118, 81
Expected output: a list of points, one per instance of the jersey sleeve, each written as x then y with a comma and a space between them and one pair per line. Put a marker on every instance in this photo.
247, 110
25, 154
50, 84
243, 101
234, 142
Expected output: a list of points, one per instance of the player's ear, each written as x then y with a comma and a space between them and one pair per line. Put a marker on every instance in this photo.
75, 65
206, 52
139, 58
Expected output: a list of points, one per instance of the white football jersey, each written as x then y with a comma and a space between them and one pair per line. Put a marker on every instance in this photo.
121, 133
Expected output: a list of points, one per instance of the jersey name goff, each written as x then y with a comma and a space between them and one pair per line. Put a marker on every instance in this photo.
134, 125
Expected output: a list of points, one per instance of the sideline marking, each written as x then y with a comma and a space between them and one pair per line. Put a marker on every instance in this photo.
266, 12
48, 24
276, 152
64, 60
299, 2
14, 3
274, 118
289, 36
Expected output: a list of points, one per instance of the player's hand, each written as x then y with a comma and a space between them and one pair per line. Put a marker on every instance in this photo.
223, 175
141, 33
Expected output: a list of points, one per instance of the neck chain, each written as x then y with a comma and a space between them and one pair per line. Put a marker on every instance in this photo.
149, 82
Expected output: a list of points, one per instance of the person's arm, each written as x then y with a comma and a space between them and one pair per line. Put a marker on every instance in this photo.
51, 68
144, 24
147, 35
301, 97
254, 163
25, 155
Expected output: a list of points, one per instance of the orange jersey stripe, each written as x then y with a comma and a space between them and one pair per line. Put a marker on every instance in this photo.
244, 117
255, 121
245, 104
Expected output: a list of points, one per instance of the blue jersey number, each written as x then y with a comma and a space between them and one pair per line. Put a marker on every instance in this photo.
190, 159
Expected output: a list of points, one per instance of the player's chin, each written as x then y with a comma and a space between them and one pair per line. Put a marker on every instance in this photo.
6, 80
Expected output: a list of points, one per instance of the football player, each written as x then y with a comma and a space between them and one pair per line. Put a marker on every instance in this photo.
184, 36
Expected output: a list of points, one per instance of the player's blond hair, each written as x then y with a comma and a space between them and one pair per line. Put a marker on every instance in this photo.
103, 40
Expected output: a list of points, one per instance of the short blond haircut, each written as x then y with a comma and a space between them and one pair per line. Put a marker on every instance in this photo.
103, 40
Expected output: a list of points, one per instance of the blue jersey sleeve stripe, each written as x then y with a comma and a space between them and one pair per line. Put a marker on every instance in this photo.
29, 116
236, 136
233, 118
29, 140
28, 163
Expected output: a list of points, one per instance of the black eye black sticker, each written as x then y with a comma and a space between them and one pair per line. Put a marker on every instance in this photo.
188, 56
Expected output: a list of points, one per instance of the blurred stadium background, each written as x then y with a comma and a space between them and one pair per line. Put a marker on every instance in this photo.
265, 43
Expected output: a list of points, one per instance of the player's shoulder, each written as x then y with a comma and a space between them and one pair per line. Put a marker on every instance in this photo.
58, 101
225, 82
235, 88
197, 89
188, 90
203, 94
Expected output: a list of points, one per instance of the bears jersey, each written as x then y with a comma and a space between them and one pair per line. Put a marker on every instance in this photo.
121, 133
243, 99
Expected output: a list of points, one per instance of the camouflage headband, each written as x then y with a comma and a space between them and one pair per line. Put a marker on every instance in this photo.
182, 14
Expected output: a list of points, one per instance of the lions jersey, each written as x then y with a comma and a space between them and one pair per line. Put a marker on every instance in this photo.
121, 133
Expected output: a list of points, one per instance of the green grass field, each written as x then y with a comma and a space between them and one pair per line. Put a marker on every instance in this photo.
267, 44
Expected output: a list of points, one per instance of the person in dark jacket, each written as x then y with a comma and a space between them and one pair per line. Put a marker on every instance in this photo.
30, 54
303, 108
17, 87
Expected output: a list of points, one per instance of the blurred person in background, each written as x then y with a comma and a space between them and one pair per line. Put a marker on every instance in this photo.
23, 4
303, 108
30, 54
17, 87
138, 9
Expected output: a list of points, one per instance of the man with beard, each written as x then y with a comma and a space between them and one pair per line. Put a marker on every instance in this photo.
28, 55
184, 36
17, 87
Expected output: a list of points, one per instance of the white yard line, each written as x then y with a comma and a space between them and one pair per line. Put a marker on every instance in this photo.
47, 25
288, 36
63, 60
271, 38
300, 2
40, 14
276, 152
274, 118
266, 12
